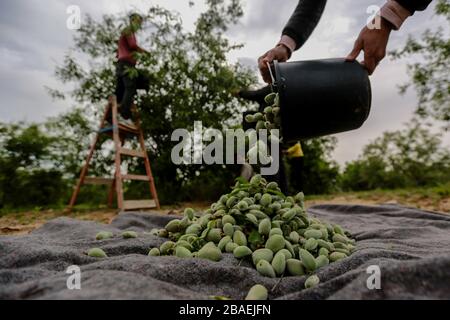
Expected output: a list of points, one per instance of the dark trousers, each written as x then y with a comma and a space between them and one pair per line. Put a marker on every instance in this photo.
127, 85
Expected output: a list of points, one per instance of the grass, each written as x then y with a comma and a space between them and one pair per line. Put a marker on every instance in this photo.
24, 220
431, 198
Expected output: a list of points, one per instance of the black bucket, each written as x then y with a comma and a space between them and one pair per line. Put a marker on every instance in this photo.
321, 97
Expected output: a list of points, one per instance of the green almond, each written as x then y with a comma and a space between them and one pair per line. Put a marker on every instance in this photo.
129, 234
194, 229
266, 199
214, 235
166, 247
313, 233
230, 246
223, 242
279, 263
103, 235
311, 244
265, 269
210, 253
182, 252
321, 261
307, 259
97, 253
228, 229
275, 231
189, 213
262, 254
228, 219
239, 238
295, 267
173, 225
336, 256
324, 252
312, 281
265, 227
257, 292
275, 243
241, 252
154, 252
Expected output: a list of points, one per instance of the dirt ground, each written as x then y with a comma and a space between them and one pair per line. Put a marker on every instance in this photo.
25, 222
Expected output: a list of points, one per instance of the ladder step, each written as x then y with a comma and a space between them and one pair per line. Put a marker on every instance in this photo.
139, 204
98, 181
132, 153
135, 177
125, 128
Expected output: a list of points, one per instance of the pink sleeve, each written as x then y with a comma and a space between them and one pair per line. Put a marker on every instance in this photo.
393, 12
288, 42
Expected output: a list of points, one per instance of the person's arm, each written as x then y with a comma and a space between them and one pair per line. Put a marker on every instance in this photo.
301, 24
374, 41
303, 21
414, 5
130, 38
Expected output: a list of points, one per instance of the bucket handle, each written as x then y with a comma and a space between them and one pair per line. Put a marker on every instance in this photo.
274, 82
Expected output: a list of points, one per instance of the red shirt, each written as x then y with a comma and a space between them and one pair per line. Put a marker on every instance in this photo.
127, 46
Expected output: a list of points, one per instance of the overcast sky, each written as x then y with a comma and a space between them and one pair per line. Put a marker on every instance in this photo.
34, 38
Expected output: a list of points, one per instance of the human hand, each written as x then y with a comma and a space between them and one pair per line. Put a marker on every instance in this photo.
280, 53
373, 42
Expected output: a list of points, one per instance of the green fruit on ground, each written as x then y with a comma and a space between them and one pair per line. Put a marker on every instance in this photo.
182, 252
321, 261
311, 244
264, 227
307, 259
97, 253
154, 252
228, 219
189, 213
275, 231
103, 235
228, 229
223, 242
295, 267
336, 256
214, 235
313, 233
173, 225
239, 238
166, 247
129, 234
257, 292
262, 254
275, 243
312, 281
210, 253
230, 246
241, 252
265, 269
279, 263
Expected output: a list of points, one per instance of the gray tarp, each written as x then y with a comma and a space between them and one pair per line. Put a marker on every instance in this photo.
411, 247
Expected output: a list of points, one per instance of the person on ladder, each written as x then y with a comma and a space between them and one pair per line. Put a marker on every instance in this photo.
129, 78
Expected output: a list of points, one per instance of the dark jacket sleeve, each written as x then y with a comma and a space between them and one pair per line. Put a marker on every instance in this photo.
414, 5
304, 20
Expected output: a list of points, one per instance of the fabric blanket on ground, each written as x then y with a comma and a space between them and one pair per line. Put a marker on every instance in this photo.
411, 248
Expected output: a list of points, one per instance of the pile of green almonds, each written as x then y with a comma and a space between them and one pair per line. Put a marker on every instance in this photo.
256, 221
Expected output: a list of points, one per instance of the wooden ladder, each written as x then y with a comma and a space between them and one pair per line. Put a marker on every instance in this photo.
119, 132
